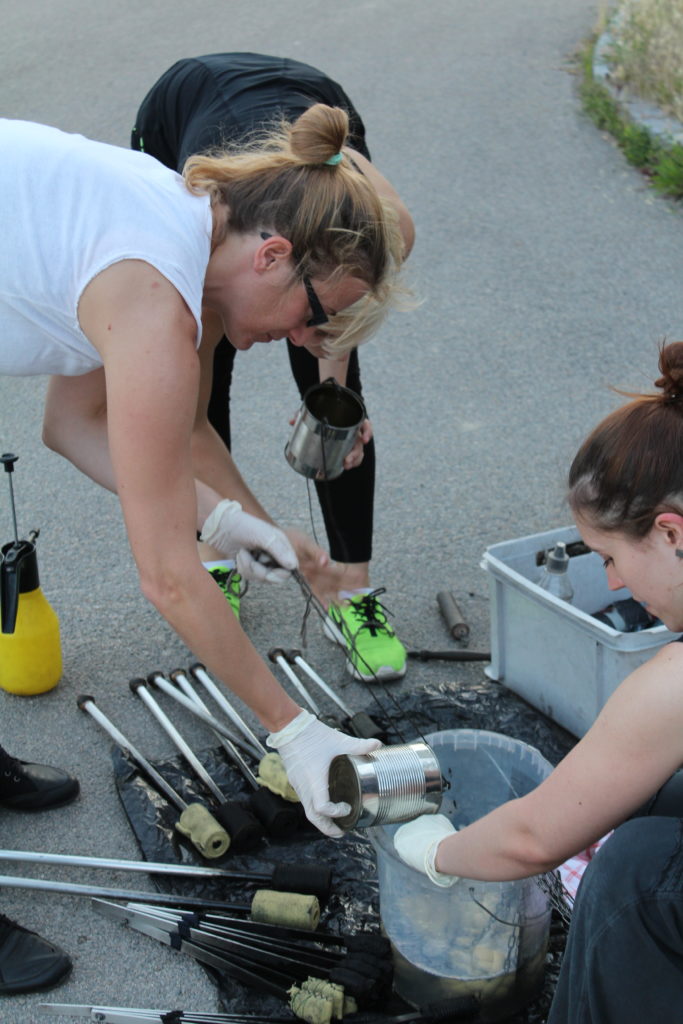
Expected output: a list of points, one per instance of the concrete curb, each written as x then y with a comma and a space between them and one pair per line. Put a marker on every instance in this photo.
668, 130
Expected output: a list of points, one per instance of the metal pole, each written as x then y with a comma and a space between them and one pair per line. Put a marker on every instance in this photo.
200, 674
158, 679
139, 687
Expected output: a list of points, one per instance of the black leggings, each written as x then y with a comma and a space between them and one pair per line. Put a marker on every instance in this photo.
347, 503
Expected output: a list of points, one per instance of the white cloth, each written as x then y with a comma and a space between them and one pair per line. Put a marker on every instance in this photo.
71, 208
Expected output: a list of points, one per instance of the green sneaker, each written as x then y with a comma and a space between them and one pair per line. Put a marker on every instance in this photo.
373, 651
232, 585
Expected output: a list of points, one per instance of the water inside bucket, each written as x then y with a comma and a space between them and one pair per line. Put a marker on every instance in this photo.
487, 939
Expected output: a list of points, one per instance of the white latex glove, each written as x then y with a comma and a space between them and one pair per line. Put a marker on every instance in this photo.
306, 747
236, 534
416, 843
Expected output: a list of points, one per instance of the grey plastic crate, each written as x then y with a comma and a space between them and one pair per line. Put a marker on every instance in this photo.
552, 653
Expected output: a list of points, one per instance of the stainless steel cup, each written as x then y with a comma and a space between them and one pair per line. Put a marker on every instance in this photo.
390, 784
325, 430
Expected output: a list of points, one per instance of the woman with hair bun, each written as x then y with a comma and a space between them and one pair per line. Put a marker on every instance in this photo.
623, 963
108, 260
203, 105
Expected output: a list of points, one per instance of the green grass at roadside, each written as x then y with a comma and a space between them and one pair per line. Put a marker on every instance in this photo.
645, 51
661, 163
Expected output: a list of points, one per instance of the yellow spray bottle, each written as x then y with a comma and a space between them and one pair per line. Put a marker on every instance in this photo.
30, 648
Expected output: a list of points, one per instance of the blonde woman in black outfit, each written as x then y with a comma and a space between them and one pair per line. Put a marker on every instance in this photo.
201, 104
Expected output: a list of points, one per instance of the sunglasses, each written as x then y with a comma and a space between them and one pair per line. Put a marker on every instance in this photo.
319, 317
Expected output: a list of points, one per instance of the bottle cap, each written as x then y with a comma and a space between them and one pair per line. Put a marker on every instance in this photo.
557, 559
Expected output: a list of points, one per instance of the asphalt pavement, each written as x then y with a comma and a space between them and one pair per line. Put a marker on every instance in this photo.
548, 272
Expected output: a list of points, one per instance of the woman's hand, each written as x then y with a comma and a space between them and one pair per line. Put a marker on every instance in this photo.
307, 747
355, 456
324, 576
239, 535
416, 844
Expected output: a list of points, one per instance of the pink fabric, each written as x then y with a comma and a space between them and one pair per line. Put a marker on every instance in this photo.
572, 870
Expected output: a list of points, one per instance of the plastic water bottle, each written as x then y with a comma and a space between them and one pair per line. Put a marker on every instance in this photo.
554, 575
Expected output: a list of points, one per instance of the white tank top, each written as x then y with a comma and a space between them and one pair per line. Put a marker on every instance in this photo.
69, 208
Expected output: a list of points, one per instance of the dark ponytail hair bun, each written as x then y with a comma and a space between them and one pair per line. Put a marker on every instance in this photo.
630, 467
671, 368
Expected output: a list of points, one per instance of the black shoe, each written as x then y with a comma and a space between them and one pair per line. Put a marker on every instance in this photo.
34, 787
27, 962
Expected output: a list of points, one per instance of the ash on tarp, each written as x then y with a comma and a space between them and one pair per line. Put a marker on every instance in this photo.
353, 905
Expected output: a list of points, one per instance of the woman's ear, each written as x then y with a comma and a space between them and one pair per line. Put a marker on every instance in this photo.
670, 526
273, 251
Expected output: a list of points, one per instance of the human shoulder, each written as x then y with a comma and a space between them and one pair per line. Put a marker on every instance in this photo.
652, 693
131, 299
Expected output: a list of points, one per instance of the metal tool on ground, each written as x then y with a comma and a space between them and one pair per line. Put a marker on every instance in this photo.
261, 898
453, 616
278, 959
201, 675
309, 879
242, 827
459, 630
238, 740
277, 656
195, 821
450, 655
133, 1015
278, 816
359, 723
271, 981
271, 772
461, 1008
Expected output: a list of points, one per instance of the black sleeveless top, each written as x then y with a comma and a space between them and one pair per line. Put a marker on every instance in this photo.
202, 102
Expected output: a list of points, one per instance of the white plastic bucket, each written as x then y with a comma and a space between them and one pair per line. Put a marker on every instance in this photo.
487, 940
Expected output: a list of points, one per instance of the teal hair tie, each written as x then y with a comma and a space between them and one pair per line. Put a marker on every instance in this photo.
334, 160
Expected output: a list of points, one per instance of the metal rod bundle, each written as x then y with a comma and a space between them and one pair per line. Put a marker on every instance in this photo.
76, 889
271, 771
459, 1008
242, 827
269, 958
195, 821
359, 723
311, 879
132, 1015
279, 817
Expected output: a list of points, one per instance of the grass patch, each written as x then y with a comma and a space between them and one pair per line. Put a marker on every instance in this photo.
645, 55
662, 164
